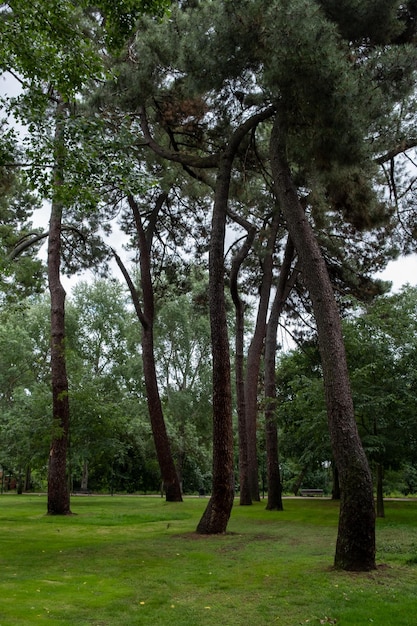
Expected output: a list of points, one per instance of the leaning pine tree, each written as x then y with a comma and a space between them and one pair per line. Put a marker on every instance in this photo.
330, 99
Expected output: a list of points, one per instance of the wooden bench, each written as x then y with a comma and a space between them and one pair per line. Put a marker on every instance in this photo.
311, 492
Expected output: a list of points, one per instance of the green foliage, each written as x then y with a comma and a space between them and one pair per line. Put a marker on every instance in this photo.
119, 19
49, 43
20, 274
301, 410
58, 52
367, 22
25, 395
110, 431
334, 93
380, 346
182, 351
109, 428
101, 317
342, 100
309, 71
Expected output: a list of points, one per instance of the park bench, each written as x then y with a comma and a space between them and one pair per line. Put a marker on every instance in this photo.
311, 492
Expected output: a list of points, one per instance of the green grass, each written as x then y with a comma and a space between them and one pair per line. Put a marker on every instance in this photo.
127, 561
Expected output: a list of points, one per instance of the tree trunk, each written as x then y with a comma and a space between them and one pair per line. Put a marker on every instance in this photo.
84, 477
19, 485
299, 481
216, 516
170, 479
274, 502
254, 361
58, 492
355, 547
169, 474
380, 509
244, 487
28, 479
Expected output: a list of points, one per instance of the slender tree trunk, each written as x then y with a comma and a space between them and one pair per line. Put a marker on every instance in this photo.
299, 481
216, 516
84, 477
170, 479
169, 474
254, 362
244, 489
251, 402
28, 479
58, 492
274, 499
245, 492
355, 547
274, 502
19, 485
380, 509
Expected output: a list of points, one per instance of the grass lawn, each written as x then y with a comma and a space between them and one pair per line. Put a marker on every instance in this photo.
127, 561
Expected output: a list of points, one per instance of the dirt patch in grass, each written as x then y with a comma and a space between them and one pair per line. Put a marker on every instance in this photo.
198, 536
381, 570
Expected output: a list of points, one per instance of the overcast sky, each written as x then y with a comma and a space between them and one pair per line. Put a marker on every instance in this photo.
401, 272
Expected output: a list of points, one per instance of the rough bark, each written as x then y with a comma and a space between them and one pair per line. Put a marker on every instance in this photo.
170, 479
58, 490
216, 516
169, 474
355, 546
274, 502
254, 361
244, 488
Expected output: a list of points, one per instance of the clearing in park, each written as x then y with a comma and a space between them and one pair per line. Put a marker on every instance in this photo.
125, 561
